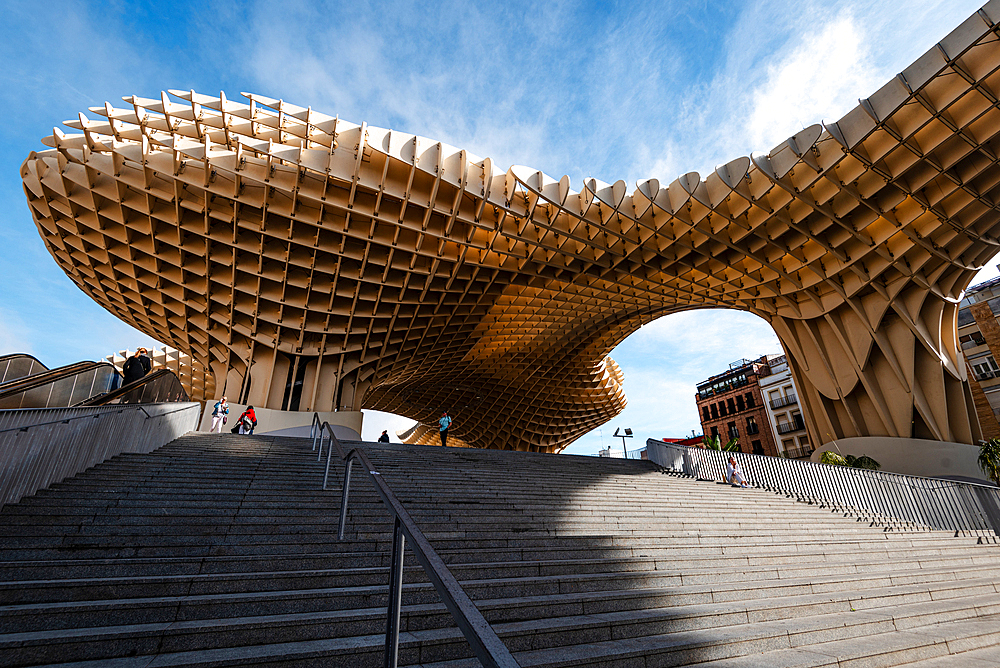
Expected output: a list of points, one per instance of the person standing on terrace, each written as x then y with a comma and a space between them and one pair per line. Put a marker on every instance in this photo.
444, 423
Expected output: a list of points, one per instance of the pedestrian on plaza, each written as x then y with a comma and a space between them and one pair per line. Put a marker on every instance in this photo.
734, 474
220, 415
384, 438
147, 364
136, 367
246, 422
443, 424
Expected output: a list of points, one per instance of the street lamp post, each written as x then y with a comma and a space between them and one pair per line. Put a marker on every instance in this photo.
627, 434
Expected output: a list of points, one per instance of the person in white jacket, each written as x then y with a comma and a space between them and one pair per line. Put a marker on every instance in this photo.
219, 415
734, 474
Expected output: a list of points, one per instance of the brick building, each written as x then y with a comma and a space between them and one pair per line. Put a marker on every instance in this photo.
979, 337
731, 405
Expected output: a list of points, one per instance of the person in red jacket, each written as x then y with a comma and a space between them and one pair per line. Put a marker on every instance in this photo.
247, 421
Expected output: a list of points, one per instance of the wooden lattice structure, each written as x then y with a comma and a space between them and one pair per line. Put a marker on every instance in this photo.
195, 377
352, 266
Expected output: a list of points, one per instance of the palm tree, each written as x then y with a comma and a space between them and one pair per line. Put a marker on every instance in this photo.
989, 459
832, 458
715, 443
850, 461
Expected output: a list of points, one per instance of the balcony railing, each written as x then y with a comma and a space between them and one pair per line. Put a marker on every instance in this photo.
784, 401
795, 452
887, 499
789, 427
986, 375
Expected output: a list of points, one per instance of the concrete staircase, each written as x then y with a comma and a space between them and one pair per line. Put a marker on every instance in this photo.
221, 551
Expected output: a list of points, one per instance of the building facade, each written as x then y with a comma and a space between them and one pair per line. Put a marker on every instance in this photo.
979, 338
783, 411
756, 403
731, 405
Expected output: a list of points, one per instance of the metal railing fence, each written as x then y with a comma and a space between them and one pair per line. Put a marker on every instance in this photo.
786, 400
41, 446
885, 498
486, 645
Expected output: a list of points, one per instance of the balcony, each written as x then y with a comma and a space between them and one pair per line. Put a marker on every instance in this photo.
788, 427
986, 375
784, 401
798, 452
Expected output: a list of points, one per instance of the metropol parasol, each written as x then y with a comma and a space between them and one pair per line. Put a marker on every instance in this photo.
307, 263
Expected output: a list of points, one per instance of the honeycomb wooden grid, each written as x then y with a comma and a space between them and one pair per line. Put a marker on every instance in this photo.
382, 270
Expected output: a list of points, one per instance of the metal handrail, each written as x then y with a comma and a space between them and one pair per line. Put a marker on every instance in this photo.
786, 400
114, 408
486, 645
788, 427
885, 498
40, 446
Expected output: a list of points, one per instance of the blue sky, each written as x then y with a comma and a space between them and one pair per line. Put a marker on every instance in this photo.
610, 90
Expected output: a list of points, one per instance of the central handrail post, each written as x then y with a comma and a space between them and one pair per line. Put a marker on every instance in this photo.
322, 439
329, 457
315, 430
343, 500
395, 596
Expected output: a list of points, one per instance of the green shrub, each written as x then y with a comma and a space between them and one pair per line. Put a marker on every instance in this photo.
850, 461
989, 459
831, 457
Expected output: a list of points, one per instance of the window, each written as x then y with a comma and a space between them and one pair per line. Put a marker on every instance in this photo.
773, 395
715, 412
758, 449
715, 431
986, 368
750, 400
740, 406
752, 427
705, 414
730, 405
733, 431
971, 340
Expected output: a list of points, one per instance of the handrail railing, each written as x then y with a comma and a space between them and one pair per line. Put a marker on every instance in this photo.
486, 645
111, 409
885, 498
786, 400
41, 446
796, 424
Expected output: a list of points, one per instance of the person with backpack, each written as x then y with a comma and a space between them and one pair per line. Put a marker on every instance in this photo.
220, 415
246, 422
136, 367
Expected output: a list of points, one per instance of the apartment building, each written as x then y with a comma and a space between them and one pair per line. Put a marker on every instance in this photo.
783, 411
731, 406
979, 338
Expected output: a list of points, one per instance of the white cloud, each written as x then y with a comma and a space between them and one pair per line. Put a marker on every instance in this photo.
819, 79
